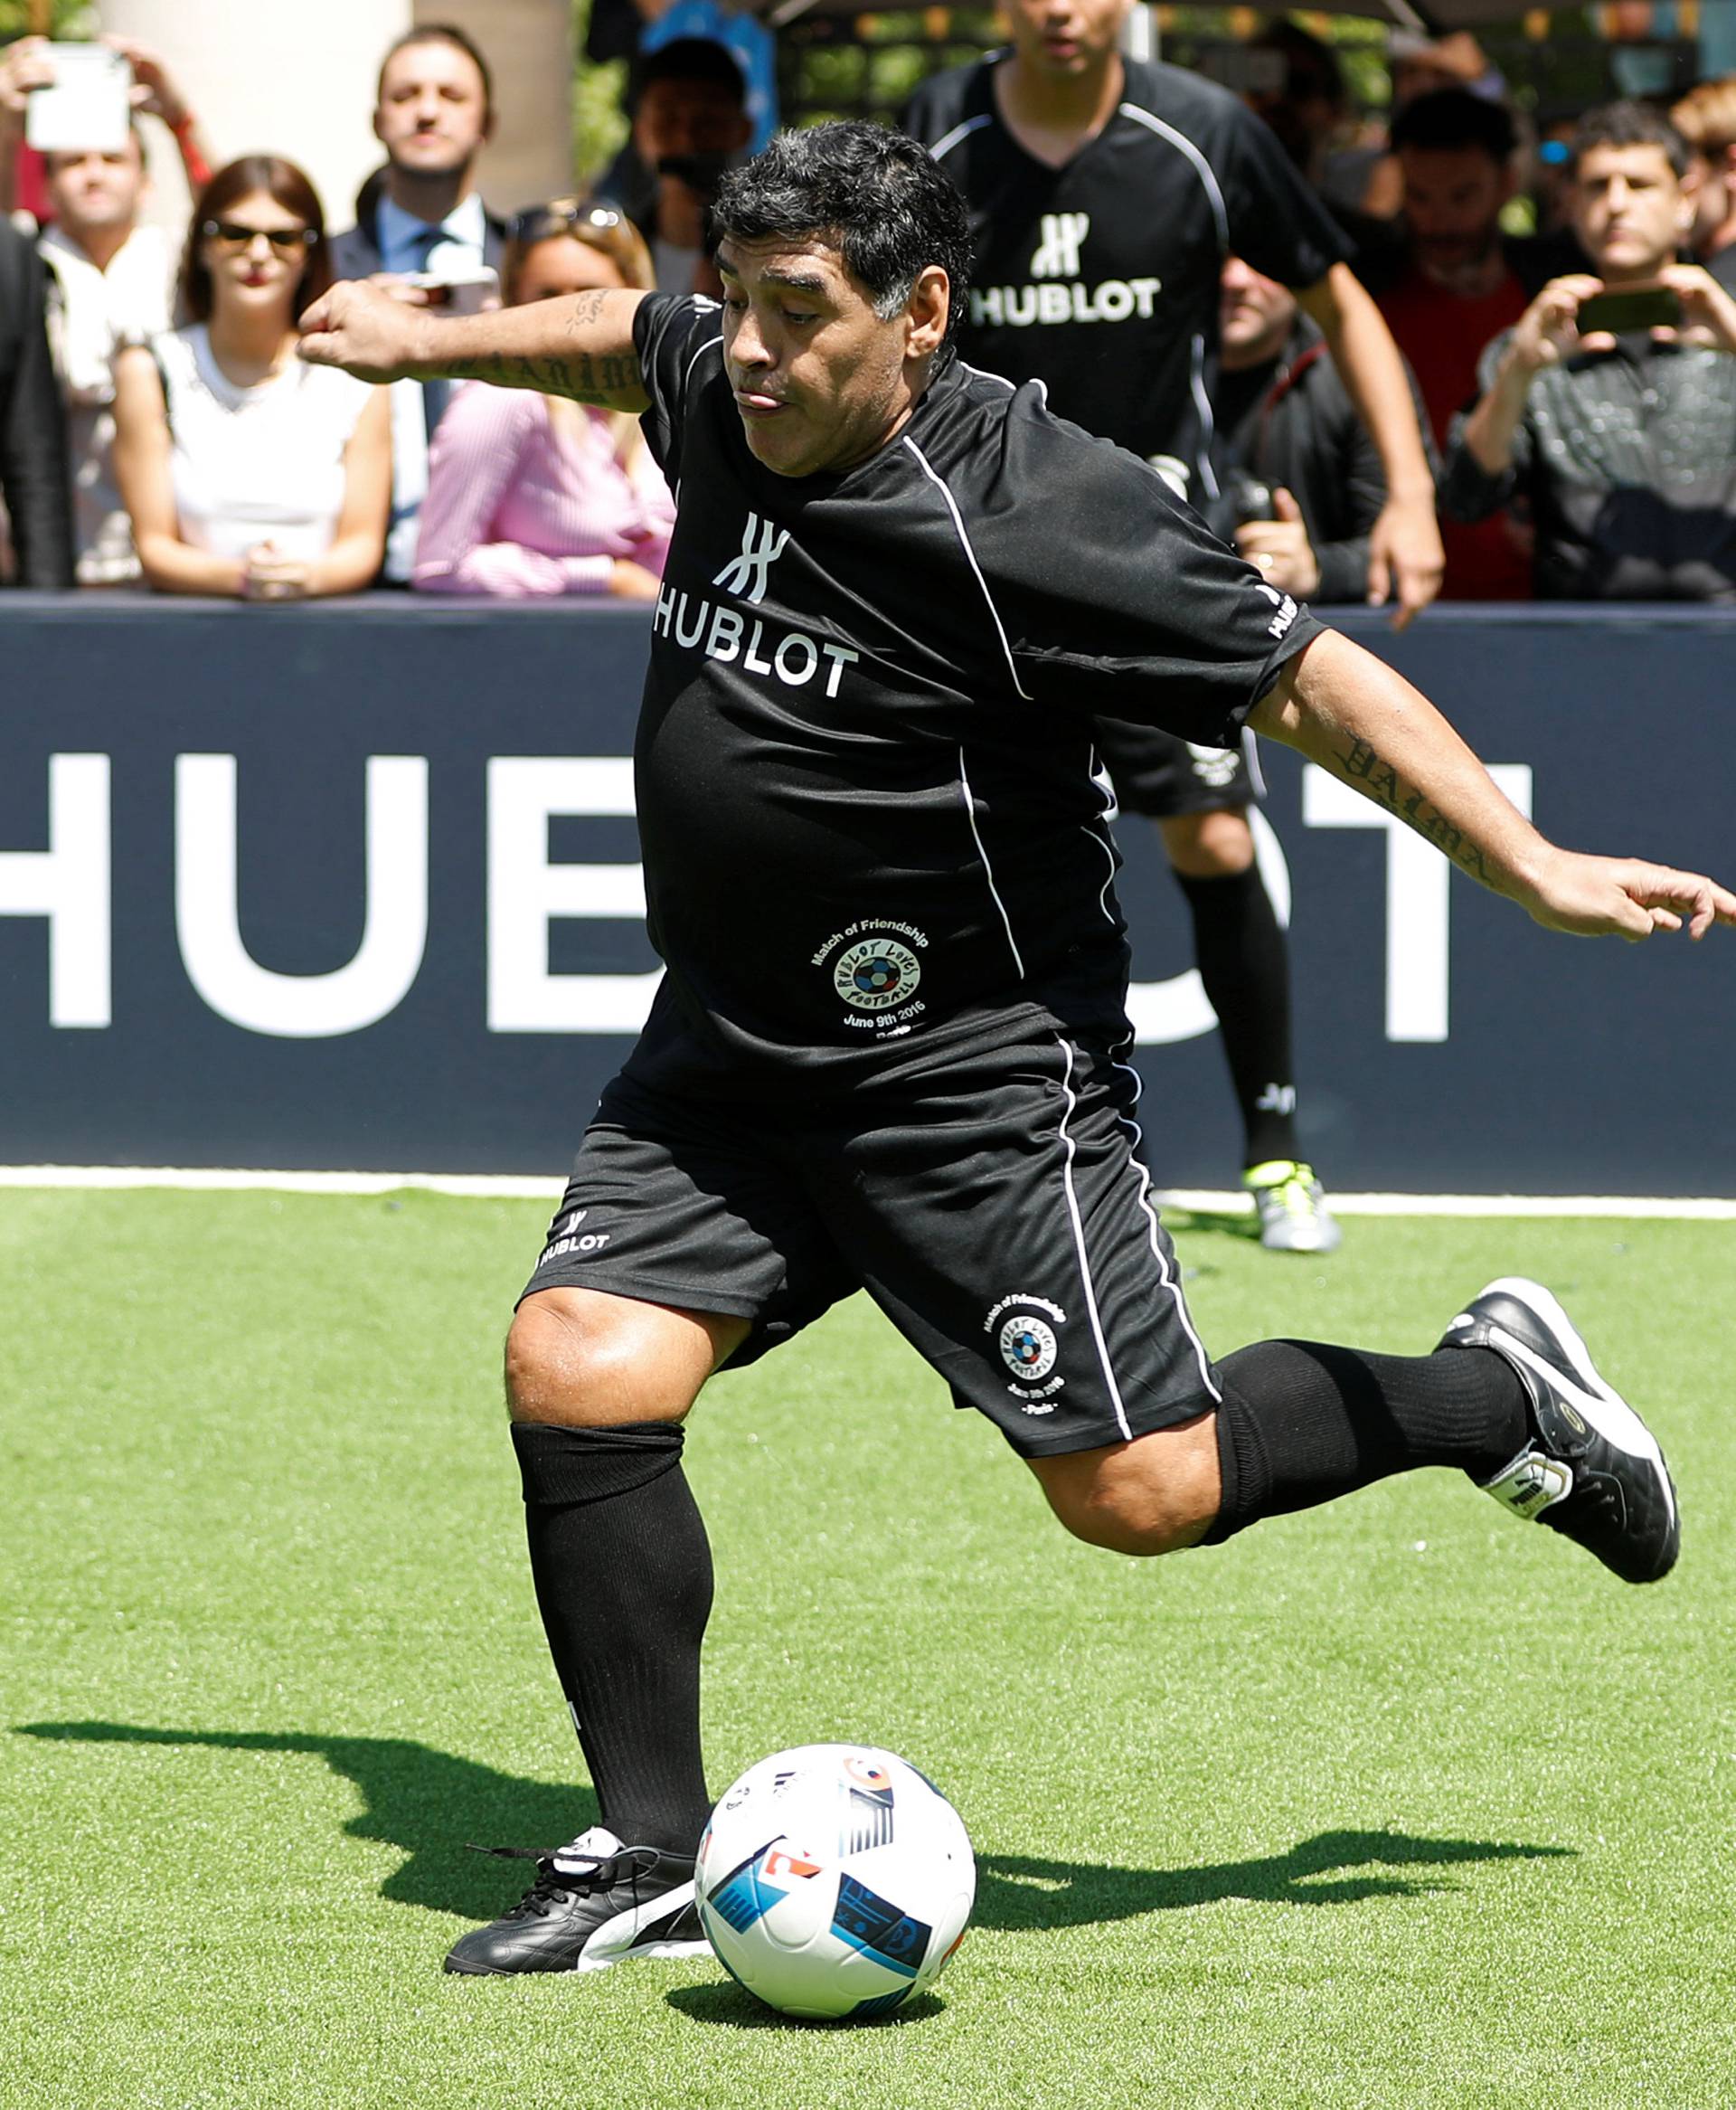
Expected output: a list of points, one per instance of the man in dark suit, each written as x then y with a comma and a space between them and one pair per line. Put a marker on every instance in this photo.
423, 216
33, 424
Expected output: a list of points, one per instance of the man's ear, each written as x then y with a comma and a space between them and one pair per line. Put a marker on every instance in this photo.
377, 132
927, 312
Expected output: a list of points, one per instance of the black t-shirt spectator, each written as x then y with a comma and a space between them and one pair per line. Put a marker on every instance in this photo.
1290, 421
1101, 279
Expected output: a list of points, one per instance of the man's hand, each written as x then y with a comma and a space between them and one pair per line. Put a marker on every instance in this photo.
1405, 557
1548, 331
1597, 897
1708, 312
1280, 548
25, 67
370, 334
154, 92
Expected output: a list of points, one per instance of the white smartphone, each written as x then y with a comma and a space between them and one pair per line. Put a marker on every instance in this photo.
459, 292
87, 105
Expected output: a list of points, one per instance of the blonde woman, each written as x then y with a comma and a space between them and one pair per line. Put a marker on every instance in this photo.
537, 495
245, 471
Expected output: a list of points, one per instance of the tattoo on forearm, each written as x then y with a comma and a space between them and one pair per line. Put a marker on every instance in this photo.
1376, 777
577, 374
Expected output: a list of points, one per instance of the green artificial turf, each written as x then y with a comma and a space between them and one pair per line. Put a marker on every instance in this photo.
1399, 1803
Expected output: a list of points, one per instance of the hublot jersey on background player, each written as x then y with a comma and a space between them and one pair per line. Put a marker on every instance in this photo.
1106, 195
919, 841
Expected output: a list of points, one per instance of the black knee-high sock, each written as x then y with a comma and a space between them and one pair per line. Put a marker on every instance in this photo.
1300, 1422
1244, 962
623, 1574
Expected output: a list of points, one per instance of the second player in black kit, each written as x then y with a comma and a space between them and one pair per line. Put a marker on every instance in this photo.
885, 1053
1098, 274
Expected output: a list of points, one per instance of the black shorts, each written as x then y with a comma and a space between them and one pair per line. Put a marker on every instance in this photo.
993, 1205
1160, 776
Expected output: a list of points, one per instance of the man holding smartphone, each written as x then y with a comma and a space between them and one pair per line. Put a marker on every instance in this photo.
1610, 405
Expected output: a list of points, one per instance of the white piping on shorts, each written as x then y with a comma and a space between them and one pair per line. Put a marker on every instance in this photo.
988, 869
1078, 1246
1165, 1276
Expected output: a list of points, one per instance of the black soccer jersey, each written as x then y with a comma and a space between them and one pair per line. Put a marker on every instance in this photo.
868, 806
1101, 279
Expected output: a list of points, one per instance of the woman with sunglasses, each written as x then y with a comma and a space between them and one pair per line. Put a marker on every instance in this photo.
244, 472
535, 495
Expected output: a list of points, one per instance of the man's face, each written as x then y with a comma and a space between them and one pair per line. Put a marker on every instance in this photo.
1630, 209
1253, 311
688, 118
819, 379
432, 118
1453, 197
96, 193
1065, 38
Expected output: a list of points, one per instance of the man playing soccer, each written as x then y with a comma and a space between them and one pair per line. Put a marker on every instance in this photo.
885, 1052
1106, 194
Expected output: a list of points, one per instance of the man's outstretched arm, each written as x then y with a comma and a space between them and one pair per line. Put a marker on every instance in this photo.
1350, 712
580, 347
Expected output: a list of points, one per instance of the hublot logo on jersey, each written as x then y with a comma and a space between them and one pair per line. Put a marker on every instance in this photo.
723, 634
1018, 306
762, 546
1057, 255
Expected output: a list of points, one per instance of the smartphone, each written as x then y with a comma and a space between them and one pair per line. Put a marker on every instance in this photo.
1646, 308
459, 292
87, 105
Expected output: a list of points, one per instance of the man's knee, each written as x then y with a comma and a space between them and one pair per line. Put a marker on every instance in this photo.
583, 1359
1209, 846
1156, 1494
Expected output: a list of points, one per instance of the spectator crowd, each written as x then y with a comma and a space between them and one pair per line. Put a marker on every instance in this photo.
1574, 386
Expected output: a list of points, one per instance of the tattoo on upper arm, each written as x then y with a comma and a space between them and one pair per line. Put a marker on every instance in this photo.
1373, 775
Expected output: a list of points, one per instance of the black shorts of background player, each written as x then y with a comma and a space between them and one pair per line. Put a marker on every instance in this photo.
1106, 196
832, 684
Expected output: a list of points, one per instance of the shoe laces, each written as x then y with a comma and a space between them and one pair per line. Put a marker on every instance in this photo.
1294, 1189
554, 1885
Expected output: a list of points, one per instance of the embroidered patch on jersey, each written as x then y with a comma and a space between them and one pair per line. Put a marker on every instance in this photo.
875, 970
876, 973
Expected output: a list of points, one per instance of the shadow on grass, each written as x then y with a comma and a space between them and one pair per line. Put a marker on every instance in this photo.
429, 1805
425, 1802
1242, 1224
727, 2005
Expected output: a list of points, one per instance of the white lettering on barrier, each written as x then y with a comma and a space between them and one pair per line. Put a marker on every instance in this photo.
69, 884
394, 933
1418, 900
526, 893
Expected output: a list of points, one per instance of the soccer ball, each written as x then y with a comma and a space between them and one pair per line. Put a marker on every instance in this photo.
834, 1881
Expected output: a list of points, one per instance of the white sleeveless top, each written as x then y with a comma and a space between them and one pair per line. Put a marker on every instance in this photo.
262, 464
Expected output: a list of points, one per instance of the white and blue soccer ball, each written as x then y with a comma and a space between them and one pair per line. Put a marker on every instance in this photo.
834, 1881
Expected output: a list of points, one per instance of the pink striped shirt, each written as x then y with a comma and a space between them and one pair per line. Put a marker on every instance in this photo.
516, 510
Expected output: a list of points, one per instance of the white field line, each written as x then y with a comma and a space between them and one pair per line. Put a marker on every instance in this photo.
1208, 1200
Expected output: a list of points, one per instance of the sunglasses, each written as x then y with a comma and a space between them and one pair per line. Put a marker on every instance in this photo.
233, 234
542, 220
